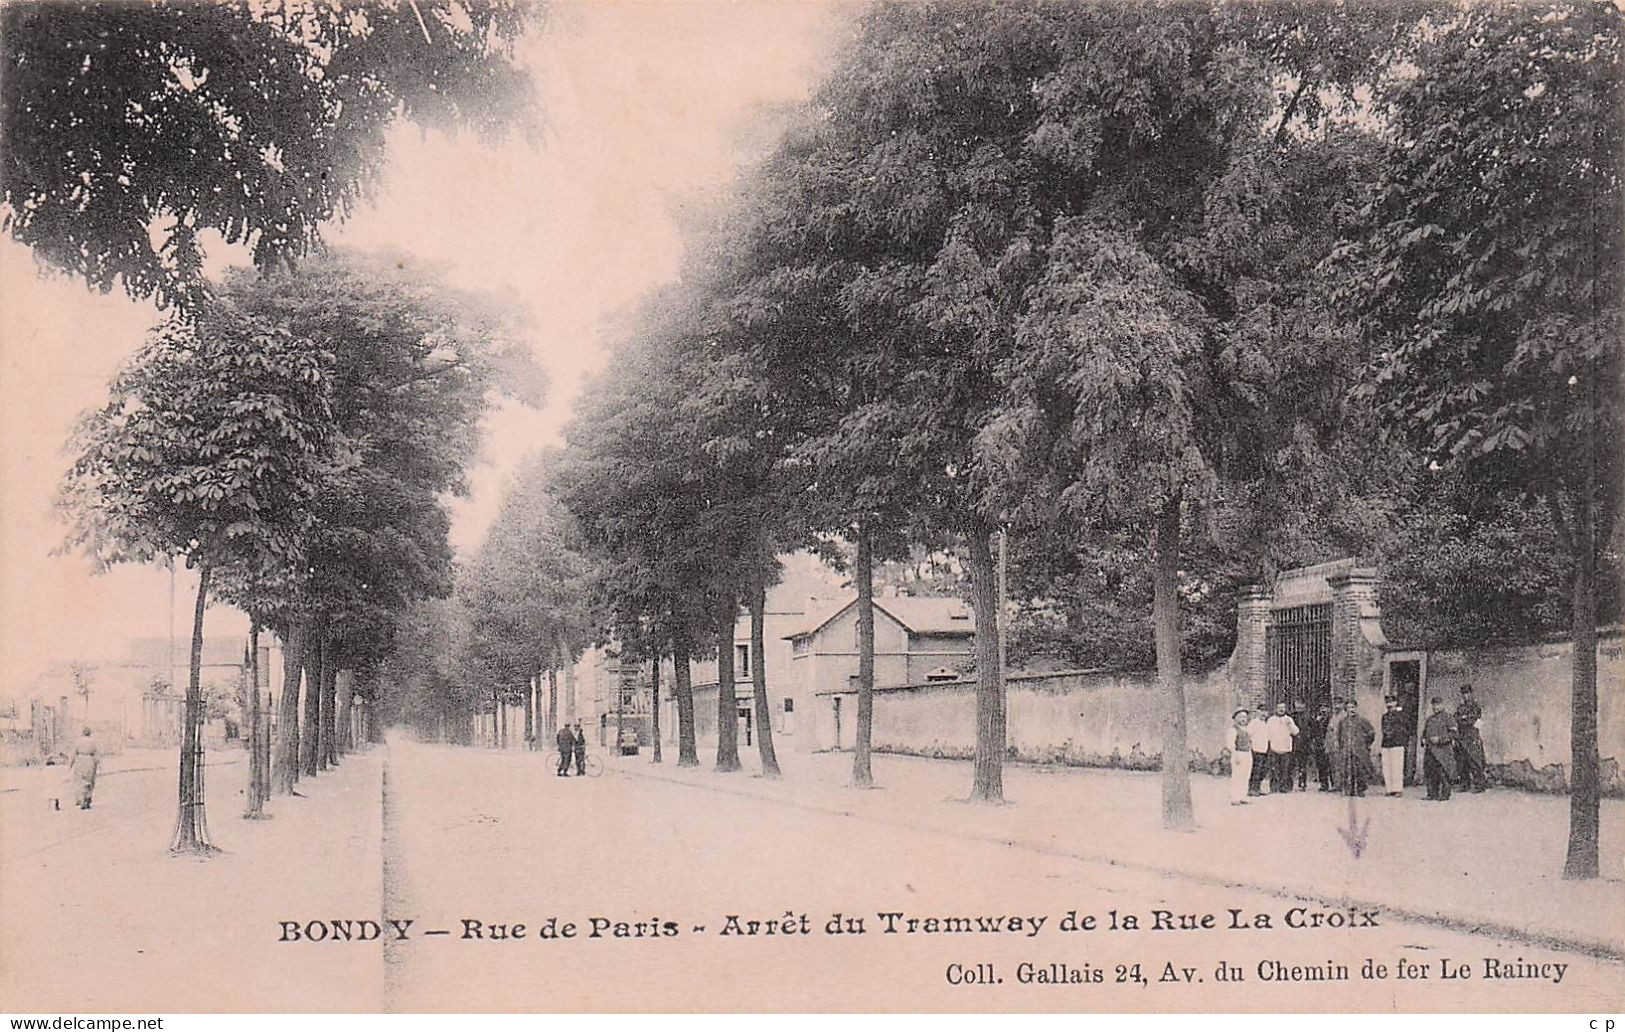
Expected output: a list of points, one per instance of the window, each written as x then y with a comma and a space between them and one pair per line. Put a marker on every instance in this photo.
742, 660
789, 705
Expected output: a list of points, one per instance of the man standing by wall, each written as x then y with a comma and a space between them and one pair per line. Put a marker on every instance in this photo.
1282, 730
1261, 752
1469, 745
1396, 730
1354, 738
1240, 743
1439, 739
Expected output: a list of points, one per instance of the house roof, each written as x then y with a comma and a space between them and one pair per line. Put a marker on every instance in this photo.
917, 615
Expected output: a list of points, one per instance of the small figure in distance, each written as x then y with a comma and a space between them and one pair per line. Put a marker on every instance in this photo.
86, 761
566, 741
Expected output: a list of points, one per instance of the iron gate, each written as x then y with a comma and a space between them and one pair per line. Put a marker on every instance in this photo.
1299, 644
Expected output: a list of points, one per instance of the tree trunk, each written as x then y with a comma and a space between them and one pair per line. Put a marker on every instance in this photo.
988, 786
530, 716
191, 826
688, 755
654, 712
1176, 766
344, 739
285, 768
1585, 779
552, 704
310, 741
569, 683
863, 576
256, 778
761, 707
727, 696
330, 701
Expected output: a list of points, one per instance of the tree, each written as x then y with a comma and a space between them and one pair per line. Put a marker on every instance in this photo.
206, 452
1488, 276
131, 130
412, 364
653, 509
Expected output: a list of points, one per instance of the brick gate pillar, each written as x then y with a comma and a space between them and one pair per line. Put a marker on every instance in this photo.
1248, 672
1357, 639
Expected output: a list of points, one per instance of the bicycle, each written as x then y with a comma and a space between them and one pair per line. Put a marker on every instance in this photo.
594, 766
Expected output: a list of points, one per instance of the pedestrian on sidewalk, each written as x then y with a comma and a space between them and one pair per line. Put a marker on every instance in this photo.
1439, 738
86, 761
1353, 749
1282, 730
1311, 748
1239, 743
1469, 744
1396, 731
566, 741
579, 740
1261, 751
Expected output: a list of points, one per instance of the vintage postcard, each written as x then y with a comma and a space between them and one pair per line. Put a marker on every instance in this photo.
789, 506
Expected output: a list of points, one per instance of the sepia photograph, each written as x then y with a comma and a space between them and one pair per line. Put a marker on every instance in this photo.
811, 507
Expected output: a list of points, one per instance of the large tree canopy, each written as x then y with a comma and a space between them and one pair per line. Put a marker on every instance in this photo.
130, 129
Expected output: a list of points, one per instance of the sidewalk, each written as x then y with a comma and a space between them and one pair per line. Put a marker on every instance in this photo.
1489, 862
39, 776
99, 917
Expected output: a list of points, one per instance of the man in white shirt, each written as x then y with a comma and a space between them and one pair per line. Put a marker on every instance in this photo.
1281, 730
1239, 743
1261, 752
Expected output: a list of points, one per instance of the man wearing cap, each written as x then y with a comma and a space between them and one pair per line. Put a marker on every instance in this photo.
1469, 746
1354, 738
1239, 740
1281, 730
1396, 730
1439, 739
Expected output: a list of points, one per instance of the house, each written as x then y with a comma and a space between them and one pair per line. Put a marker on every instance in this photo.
803, 580
917, 640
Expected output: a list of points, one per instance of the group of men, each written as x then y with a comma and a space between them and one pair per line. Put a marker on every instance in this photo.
572, 743
1336, 740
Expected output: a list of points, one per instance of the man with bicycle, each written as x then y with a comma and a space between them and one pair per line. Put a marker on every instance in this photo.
566, 741
578, 740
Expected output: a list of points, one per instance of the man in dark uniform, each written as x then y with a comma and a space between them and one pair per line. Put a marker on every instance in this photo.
1354, 736
1396, 732
579, 740
1310, 747
566, 741
1439, 739
1469, 746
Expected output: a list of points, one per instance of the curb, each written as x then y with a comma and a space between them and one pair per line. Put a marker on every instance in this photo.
1599, 948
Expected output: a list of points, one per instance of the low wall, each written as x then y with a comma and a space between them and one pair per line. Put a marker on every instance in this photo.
1094, 718
1076, 718
1525, 691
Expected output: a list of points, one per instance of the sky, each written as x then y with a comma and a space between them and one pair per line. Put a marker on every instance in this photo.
647, 105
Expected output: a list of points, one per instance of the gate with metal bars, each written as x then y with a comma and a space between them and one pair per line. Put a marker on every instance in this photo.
1299, 646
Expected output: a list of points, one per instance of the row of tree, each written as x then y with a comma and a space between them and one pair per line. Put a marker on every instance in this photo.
1169, 294
293, 439
289, 435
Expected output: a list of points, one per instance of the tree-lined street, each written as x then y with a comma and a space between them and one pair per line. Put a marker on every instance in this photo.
423, 830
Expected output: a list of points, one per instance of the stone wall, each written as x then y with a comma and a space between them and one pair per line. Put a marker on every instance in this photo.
1525, 691
1098, 718
1086, 718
